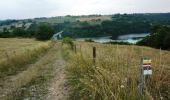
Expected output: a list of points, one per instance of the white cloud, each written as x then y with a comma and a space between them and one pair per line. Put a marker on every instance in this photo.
39, 8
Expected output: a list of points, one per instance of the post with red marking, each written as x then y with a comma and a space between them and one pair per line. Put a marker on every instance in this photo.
145, 70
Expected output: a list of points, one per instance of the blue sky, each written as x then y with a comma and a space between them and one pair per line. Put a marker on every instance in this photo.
22, 9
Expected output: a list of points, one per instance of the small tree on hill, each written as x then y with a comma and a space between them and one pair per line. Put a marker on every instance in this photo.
44, 31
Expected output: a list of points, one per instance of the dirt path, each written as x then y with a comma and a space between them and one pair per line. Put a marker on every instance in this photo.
58, 88
44, 80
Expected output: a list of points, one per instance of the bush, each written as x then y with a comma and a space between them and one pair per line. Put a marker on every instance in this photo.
68, 40
89, 40
19, 32
120, 43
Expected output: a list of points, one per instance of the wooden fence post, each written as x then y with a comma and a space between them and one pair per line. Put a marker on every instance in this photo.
80, 48
75, 49
94, 55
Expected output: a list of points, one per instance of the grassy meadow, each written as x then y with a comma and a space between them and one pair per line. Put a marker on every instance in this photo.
27, 65
115, 75
16, 54
10, 45
20, 65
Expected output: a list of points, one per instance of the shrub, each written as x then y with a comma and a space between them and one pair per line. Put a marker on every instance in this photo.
89, 40
44, 31
120, 43
68, 40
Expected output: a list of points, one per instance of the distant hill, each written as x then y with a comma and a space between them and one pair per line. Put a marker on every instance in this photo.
52, 20
93, 25
62, 19
118, 24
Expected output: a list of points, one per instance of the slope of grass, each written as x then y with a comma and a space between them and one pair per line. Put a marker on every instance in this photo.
115, 75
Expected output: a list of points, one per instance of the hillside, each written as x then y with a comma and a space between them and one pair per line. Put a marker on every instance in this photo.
52, 20
49, 70
89, 26
120, 24
115, 75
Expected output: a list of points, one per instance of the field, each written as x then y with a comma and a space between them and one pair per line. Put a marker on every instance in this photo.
35, 70
9, 46
17, 64
115, 75
94, 18
91, 19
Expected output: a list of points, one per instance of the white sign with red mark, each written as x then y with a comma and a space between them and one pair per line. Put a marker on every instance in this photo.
146, 65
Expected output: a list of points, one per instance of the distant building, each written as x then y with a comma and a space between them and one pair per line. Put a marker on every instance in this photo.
57, 36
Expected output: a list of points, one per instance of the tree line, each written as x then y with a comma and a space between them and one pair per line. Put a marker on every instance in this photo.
159, 37
42, 31
120, 24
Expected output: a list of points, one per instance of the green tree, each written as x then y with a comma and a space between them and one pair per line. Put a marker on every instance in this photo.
5, 29
19, 32
159, 38
44, 31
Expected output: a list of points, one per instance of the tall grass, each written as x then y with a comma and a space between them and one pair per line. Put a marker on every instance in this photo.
19, 70
115, 75
18, 61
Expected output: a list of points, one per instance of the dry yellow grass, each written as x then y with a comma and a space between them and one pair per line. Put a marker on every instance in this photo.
11, 45
89, 19
21, 67
17, 53
115, 76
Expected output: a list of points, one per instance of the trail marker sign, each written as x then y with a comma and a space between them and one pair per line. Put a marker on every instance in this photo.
145, 69
146, 66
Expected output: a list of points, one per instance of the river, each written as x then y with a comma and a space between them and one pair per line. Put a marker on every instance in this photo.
130, 38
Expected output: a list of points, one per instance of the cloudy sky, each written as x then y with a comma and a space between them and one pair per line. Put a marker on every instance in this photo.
21, 9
